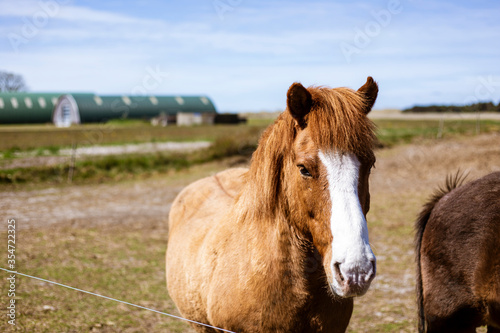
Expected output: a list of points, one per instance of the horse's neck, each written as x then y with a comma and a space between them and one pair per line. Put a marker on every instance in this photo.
275, 244
270, 233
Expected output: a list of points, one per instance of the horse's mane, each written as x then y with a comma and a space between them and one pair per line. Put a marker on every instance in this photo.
336, 121
452, 182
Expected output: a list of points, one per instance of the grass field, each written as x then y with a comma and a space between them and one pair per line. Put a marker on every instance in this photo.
18, 138
50, 138
108, 234
228, 140
128, 268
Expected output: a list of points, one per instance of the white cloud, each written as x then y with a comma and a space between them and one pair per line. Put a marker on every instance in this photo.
63, 10
248, 60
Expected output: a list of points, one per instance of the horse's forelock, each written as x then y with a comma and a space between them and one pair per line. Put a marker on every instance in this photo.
337, 121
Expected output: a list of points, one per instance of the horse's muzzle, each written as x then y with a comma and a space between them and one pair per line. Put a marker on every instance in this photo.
353, 280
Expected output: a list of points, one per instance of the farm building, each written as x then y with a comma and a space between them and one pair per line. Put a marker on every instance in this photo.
24, 108
194, 118
75, 108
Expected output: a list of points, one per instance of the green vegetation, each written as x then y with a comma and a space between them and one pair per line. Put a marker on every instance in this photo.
11, 152
393, 132
228, 140
29, 137
119, 167
475, 107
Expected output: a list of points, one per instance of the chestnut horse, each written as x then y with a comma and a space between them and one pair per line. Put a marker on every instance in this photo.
458, 257
282, 246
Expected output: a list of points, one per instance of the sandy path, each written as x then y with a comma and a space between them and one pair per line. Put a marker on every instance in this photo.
90, 205
144, 201
65, 155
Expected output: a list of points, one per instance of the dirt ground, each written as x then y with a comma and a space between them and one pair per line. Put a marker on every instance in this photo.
403, 178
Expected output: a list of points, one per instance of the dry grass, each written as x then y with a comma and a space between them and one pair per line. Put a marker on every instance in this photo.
128, 267
111, 239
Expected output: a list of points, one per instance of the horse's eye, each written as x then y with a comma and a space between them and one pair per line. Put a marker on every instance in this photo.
303, 171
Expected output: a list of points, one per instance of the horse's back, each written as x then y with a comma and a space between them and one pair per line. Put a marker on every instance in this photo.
195, 217
469, 215
206, 197
460, 254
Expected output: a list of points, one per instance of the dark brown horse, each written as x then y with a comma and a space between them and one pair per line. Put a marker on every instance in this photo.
458, 257
282, 246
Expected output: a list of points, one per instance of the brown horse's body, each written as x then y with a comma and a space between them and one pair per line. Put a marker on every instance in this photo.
250, 266
458, 258
283, 246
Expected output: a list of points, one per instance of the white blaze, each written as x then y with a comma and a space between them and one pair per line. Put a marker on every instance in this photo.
350, 245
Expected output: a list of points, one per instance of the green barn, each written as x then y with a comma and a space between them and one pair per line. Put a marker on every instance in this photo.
27, 108
77, 108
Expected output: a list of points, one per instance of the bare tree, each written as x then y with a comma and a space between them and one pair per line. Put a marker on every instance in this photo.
11, 82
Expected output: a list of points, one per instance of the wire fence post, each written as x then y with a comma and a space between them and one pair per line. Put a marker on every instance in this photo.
441, 127
478, 122
72, 163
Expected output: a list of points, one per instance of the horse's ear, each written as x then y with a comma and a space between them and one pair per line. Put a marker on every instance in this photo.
299, 102
369, 91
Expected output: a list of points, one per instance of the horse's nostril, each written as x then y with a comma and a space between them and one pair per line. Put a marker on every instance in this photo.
354, 277
338, 273
372, 273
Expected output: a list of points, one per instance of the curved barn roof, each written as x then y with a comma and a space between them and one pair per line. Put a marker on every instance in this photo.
96, 108
17, 108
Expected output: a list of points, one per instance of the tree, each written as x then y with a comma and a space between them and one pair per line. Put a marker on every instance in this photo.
11, 82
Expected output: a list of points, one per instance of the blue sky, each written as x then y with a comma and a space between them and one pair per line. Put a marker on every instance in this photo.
244, 54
